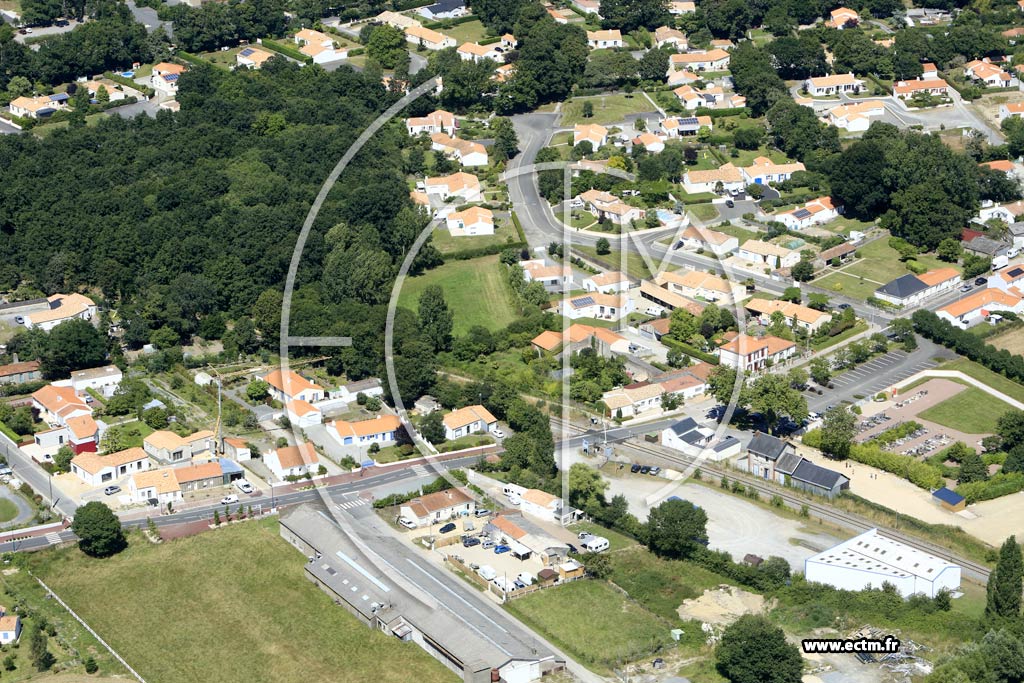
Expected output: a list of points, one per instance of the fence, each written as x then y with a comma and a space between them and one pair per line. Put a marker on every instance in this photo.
88, 628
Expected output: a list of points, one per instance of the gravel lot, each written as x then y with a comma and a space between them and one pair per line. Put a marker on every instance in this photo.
735, 525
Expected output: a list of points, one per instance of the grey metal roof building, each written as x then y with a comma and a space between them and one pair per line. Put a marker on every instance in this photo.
767, 446
460, 635
902, 287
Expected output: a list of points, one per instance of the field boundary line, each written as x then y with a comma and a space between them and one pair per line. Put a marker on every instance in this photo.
88, 628
956, 374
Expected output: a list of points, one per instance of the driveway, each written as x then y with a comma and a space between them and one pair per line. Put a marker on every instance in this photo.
130, 111
8, 130
46, 31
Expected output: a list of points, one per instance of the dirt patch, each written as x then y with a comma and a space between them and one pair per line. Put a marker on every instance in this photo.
1011, 340
722, 605
988, 105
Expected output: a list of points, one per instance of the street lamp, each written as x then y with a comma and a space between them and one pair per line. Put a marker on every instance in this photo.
272, 499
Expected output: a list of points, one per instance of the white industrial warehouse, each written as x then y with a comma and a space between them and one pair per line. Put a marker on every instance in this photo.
869, 560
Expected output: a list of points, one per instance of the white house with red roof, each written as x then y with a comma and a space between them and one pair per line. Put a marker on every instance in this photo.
291, 386
56, 404
976, 307
815, 212
748, 353
292, 461
612, 282
475, 220
468, 420
62, 308
96, 470
435, 508
437, 121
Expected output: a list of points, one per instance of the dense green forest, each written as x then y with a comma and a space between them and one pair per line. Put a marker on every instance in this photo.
182, 222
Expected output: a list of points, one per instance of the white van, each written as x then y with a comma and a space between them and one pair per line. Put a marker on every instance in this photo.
595, 544
487, 572
244, 486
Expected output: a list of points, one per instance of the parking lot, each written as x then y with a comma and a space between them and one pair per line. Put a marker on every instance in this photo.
871, 377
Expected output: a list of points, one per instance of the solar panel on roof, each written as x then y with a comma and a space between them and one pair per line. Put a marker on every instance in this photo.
801, 213
246, 52
171, 77
583, 301
691, 121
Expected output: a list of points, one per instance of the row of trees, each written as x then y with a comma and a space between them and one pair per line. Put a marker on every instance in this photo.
772, 396
966, 344
214, 25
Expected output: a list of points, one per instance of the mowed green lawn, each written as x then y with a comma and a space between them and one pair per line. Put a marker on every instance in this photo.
607, 108
979, 372
504, 232
594, 622
229, 605
476, 290
470, 32
848, 285
881, 263
972, 411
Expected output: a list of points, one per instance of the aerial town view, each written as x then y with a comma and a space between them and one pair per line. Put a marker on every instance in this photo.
428, 341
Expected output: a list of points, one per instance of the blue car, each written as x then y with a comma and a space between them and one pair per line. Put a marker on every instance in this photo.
499, 549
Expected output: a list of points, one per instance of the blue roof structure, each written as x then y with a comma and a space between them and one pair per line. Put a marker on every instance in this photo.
948, 497
170, 78
59, 97
246, 52
229, 466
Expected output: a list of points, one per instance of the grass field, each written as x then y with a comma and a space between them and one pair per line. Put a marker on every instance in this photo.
704, 212
8, 510
986, 376
504, 233
470, 32
739, 233
134, 433
594, 622
236, 607
476, 291
881, 263
971, 411
842, 336
660, 585
607, 109
20, 591
635, 264
848, 285
1011, 340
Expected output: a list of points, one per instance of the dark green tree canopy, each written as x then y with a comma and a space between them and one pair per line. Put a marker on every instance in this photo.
98, 530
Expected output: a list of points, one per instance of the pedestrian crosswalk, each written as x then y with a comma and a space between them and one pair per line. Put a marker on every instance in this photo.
53, 538
349, 504
419, 470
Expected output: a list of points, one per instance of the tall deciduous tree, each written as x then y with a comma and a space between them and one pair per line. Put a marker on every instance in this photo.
773, 397
754, 650
676, 528
628, 15
72, 345
98, 530
837, 432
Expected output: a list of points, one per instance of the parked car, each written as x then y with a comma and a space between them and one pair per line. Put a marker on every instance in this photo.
730, 203
498, 433
407, 523
111, 490
573, 549
981, 281
967, 287
228, 500
646, 469
499, 549
487, 544
244, 486
655, 470
19, 319
583, 534
470, 541
481, 512
518, 584
634, 468
450, 526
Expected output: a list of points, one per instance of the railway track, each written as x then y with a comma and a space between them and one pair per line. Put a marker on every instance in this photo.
824, 512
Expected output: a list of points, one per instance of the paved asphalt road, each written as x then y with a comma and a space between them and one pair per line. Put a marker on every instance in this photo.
541, 228
205, 512
35, 476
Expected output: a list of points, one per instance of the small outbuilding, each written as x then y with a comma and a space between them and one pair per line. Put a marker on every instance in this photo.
951, 500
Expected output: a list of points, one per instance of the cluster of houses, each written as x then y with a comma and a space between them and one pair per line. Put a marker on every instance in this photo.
306, 401
731, 178
319, 47
443, 196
